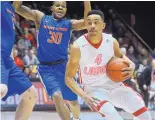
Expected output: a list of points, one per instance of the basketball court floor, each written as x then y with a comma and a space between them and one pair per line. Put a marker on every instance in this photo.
52, 115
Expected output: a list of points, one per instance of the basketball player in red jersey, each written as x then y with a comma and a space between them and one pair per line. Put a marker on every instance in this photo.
91, 52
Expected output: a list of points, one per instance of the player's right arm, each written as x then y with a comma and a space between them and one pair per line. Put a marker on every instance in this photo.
27, 13
71, 71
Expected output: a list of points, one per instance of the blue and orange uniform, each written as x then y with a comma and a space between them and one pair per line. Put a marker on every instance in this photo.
53, 39
16, 81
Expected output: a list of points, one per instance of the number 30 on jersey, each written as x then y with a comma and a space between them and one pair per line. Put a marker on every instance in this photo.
55, 37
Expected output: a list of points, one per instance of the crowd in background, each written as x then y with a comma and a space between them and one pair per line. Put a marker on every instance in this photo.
25, 46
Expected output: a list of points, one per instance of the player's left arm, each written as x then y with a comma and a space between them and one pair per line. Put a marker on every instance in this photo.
81, 24
119, 54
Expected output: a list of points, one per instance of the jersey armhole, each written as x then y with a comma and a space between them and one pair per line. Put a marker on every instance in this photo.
40, 23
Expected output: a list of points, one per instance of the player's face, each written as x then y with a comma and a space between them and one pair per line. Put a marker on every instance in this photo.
59, 9
95, 25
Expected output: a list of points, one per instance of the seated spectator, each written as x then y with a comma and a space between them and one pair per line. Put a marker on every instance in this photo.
33, 58
130, 54
26, 58
26, 71
145, 81
33, 75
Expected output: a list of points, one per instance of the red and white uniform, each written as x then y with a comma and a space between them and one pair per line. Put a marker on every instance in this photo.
95, 81
94, 60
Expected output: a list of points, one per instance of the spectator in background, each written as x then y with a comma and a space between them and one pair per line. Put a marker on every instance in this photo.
23, 43
26, 71
30, 58
34, 50
120, 40
33, 58
15, 52
123, 50
153, 54
152, 85
142, 66
26, 58
19, 62
130, 54
29, 36
33, 75
131, 82
145, 81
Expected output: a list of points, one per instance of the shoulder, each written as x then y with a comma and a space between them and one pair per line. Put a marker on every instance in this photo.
81, 40
108, 36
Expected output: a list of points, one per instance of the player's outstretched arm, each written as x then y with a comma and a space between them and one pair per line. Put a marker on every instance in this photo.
27, 13
81, 24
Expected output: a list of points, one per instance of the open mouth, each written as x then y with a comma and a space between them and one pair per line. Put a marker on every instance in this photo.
60, 13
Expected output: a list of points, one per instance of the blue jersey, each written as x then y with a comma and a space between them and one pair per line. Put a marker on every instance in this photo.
7, 28
53, 39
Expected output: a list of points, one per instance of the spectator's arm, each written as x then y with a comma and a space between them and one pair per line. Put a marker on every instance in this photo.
81, 24
27, 13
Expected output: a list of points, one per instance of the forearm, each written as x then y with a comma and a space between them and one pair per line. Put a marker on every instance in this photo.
69, 80
126, 58
17, 5
24, 11
74, 87
87, 8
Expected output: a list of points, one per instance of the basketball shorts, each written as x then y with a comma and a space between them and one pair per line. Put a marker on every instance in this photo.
53, 79
13, 77
120, 96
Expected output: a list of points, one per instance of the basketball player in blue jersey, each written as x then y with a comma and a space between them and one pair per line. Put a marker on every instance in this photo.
53, 37
13, 80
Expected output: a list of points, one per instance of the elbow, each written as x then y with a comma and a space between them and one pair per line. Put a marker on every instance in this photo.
16, 6
16, 9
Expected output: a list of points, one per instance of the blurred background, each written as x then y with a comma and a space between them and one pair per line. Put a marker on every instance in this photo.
131, 23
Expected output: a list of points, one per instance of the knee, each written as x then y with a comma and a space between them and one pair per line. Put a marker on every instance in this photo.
30, 95
4, 90
57, 96
108, 109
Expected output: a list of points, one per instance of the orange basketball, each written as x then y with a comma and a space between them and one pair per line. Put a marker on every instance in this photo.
114, 69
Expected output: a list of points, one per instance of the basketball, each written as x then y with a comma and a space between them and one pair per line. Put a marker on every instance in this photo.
114, 69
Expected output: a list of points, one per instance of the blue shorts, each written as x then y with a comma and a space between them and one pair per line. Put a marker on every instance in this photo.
13, 77
53, 78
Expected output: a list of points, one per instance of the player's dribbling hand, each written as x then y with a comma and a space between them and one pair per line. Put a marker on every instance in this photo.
128, 71
91, 102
